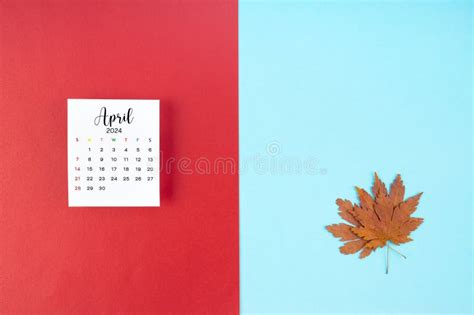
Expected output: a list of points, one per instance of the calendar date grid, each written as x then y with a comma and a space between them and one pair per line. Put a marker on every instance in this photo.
105, 161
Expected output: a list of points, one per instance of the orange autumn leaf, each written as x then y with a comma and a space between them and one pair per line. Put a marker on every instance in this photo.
384, 216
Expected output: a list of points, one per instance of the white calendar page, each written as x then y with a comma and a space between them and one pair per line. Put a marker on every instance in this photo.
113, 153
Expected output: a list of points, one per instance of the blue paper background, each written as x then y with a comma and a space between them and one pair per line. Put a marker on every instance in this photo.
357, 87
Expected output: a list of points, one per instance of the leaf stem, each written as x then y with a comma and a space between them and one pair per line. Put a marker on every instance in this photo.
386, 270
396, 251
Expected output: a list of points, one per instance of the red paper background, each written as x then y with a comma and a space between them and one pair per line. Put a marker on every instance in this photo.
181, 258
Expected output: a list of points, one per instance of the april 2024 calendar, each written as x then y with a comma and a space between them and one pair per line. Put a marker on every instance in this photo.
113, 153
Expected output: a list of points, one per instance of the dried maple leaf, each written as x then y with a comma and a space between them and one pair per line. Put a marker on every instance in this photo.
378, 219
